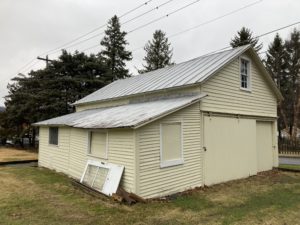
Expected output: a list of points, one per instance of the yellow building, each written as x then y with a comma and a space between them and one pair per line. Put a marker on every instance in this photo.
208, 120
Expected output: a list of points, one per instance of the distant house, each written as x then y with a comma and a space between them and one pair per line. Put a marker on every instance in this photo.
208, 120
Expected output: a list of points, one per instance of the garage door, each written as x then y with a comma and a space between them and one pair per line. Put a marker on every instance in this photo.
230, 149
264, 146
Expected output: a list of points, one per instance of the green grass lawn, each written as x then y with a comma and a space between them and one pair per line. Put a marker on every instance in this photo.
39, 196
290, 167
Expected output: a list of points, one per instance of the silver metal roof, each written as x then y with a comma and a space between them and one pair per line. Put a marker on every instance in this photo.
186, 73
131, 115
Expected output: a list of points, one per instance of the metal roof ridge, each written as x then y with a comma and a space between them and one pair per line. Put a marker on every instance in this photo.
136, 78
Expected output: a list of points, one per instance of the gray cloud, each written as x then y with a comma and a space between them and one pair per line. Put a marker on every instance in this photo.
30, 27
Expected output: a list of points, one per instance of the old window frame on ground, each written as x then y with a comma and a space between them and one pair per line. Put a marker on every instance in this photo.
175, 161
53, 136
90, 138
112, 179
245, 78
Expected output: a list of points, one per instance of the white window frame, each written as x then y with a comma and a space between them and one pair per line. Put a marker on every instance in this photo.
248, 89
53, 145
174, 162
113, 176
89, 144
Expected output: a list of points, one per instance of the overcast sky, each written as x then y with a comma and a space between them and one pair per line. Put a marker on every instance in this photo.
32, 27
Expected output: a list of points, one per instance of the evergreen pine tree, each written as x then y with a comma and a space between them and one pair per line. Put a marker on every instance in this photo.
114, 52
50, 92
4, 128
293, 50
276, 63
244, 37
283, 62
158, 52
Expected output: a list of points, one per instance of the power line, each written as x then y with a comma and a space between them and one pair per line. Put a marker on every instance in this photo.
98, 34
26, 65
281, 28
261, 35
207, 22
91, 47
31, 66
95, 29
25, 69
140, 27
144, 25
258, 36
212, 52
215, 19
134, 9
165, 16
153, 9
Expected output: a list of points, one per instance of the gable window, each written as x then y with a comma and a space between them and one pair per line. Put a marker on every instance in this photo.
98, 144
53, 135
171, 144
245, 73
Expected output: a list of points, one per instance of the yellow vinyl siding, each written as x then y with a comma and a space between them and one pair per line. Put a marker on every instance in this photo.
101, 104
157, 181
98, 144
225, 95
139, 97
121, 151
78, 152
52, 156
71, 154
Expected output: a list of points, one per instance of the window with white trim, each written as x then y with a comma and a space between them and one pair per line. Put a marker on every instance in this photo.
98, 144
53, 135
245, 73
171, 144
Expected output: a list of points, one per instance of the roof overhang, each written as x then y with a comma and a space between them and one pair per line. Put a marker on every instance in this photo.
133, 115
266, 74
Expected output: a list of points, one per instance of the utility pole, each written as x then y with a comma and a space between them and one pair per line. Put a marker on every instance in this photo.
47, 60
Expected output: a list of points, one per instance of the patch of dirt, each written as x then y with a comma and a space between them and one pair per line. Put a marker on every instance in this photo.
12, 154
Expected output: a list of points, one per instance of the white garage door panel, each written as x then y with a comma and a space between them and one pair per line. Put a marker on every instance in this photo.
264, 145
231, 149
